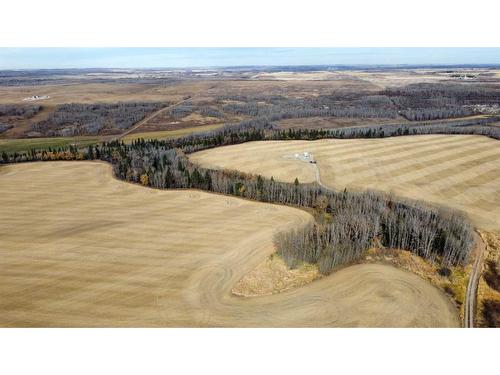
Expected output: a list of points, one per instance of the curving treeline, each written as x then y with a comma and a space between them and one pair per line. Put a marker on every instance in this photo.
358, 220
367, 220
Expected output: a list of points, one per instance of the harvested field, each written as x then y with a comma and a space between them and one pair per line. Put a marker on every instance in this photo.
394, 78
80, 248
26, 144
460, 171
102, 92
170, 133
300, 76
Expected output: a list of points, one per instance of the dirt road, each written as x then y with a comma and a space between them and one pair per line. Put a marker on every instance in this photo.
318, 176
79, 248
459, 171
471, 293
152, 116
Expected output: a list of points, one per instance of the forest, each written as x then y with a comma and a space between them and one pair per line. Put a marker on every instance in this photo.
366, 220
90, 119
5, 127
23, 111
418, 102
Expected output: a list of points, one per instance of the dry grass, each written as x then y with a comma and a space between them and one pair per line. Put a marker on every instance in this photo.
273, 276
102, 92
26, 144
79, 248
459, 171
300, 76
488, 292
394, 78
170, 133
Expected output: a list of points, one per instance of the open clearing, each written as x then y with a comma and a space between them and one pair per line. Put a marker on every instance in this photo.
460, 171
166, 134
80, 248
24, 145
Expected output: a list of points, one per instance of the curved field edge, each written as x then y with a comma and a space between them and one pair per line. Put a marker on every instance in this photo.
85, 249
459, 171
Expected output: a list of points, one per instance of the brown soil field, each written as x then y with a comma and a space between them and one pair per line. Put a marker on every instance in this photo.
459, 171
80, 248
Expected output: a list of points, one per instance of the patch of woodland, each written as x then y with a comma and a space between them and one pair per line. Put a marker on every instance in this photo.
5, 127
11, 113
19, 111
90, 119
417, 102
362, 220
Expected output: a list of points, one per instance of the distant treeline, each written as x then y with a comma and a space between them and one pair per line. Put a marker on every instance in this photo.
279, 108
454, 93
14, 110
84, 119
5, 127
418, 102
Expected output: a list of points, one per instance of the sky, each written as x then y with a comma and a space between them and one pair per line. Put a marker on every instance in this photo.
58, 58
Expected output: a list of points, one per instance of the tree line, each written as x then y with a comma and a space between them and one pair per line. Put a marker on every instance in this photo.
417, 102
90, 119
358, 219
24, 111
457, 93
365, 220
5, 127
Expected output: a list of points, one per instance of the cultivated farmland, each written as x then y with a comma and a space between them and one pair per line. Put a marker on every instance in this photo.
80, 248
459, 171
